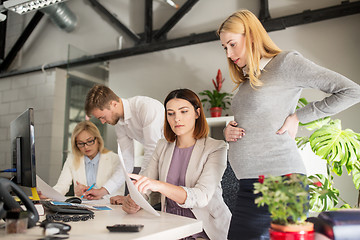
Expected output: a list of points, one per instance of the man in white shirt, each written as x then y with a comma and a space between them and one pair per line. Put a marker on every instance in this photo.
140, 118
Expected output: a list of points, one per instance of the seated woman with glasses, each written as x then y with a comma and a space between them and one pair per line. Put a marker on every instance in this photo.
90, 163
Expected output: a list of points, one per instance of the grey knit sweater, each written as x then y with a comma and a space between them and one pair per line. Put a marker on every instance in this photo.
262, 112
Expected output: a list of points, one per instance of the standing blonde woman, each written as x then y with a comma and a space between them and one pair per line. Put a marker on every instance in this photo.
261, 139
90, 163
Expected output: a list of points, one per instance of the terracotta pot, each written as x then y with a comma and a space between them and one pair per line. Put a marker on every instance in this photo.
292, 232
215, 111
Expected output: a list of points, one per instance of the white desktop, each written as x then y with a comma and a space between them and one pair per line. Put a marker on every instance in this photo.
166, 226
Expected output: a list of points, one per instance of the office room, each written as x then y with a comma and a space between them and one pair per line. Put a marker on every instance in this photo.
54, 67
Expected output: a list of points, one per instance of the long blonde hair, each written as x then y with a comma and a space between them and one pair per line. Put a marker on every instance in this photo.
258, 44
91, 129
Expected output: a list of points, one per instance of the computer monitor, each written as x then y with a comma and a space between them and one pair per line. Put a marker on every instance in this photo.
23, 148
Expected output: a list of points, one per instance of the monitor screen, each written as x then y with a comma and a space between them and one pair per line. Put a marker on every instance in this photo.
23, 148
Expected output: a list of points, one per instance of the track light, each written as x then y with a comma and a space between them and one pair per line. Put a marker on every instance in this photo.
2, 17
25, 6
170, 2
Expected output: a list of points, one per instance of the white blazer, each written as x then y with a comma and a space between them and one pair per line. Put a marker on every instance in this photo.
108, 163
202, 182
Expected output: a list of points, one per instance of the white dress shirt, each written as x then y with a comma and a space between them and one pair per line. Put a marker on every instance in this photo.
144, 122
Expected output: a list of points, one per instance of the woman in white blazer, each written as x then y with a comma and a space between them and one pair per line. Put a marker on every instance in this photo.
90, 163
187, 167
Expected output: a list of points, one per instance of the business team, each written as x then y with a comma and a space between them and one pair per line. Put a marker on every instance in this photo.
185, 165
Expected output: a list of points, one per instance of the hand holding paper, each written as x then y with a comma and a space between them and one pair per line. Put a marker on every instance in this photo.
134, 193
143, 184
48, 191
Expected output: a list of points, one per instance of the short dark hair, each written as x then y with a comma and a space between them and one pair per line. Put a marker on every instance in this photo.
201, 127
99, 96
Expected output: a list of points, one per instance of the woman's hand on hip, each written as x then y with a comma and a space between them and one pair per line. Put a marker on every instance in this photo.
291, 125
232, 133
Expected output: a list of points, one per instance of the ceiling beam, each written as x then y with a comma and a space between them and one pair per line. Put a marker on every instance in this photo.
185, 8
148, 29
264, 10
21, 41
308, 16
115, 21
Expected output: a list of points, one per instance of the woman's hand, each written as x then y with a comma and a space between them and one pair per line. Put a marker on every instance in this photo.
143, 183
129, 205
291, 125
80, 189
232, 133
41, 196
117, 200
95, 194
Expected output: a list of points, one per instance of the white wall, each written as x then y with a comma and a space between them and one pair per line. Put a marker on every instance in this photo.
45, 92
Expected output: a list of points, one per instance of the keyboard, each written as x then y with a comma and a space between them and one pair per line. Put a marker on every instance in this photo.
67, 208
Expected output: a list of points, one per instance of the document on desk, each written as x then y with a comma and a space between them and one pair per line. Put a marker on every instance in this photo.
48, 191
134, 193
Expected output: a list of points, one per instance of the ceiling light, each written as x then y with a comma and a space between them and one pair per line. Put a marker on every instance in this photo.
170, 2
25, 6
2, 17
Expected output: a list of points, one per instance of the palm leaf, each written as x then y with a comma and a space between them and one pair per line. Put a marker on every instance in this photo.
338, 147
301, 142
356, 175
316, 124
322, 198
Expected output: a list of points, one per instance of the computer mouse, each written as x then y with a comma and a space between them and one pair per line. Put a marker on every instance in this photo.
73, 200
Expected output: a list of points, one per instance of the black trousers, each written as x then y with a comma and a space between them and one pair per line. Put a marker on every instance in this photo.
248, 221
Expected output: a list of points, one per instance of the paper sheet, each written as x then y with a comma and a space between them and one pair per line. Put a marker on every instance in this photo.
48, 191
134, 193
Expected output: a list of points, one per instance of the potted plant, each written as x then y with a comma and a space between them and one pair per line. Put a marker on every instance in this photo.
287, 198
217, 100
341, 150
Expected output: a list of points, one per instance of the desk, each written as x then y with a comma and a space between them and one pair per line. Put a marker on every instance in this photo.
167, 226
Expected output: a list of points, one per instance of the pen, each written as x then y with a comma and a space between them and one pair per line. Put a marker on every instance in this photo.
88, 190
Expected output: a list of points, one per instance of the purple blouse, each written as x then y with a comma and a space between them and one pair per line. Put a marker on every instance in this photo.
176, 176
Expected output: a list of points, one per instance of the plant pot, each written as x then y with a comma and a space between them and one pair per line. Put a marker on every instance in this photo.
292, 232
215, 111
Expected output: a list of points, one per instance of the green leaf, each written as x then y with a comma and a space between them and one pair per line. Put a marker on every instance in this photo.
316, 124
356, 174
340, 147
322, 198
216, 99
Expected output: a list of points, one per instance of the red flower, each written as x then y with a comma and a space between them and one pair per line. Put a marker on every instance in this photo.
261, 179
219, 81
318, 184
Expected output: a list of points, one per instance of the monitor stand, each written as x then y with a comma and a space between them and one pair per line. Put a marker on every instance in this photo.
35, 195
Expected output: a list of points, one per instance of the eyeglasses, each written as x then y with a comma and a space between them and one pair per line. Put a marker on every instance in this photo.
88, 143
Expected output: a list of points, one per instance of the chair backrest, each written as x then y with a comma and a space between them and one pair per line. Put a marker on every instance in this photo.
230, 187
136, 171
